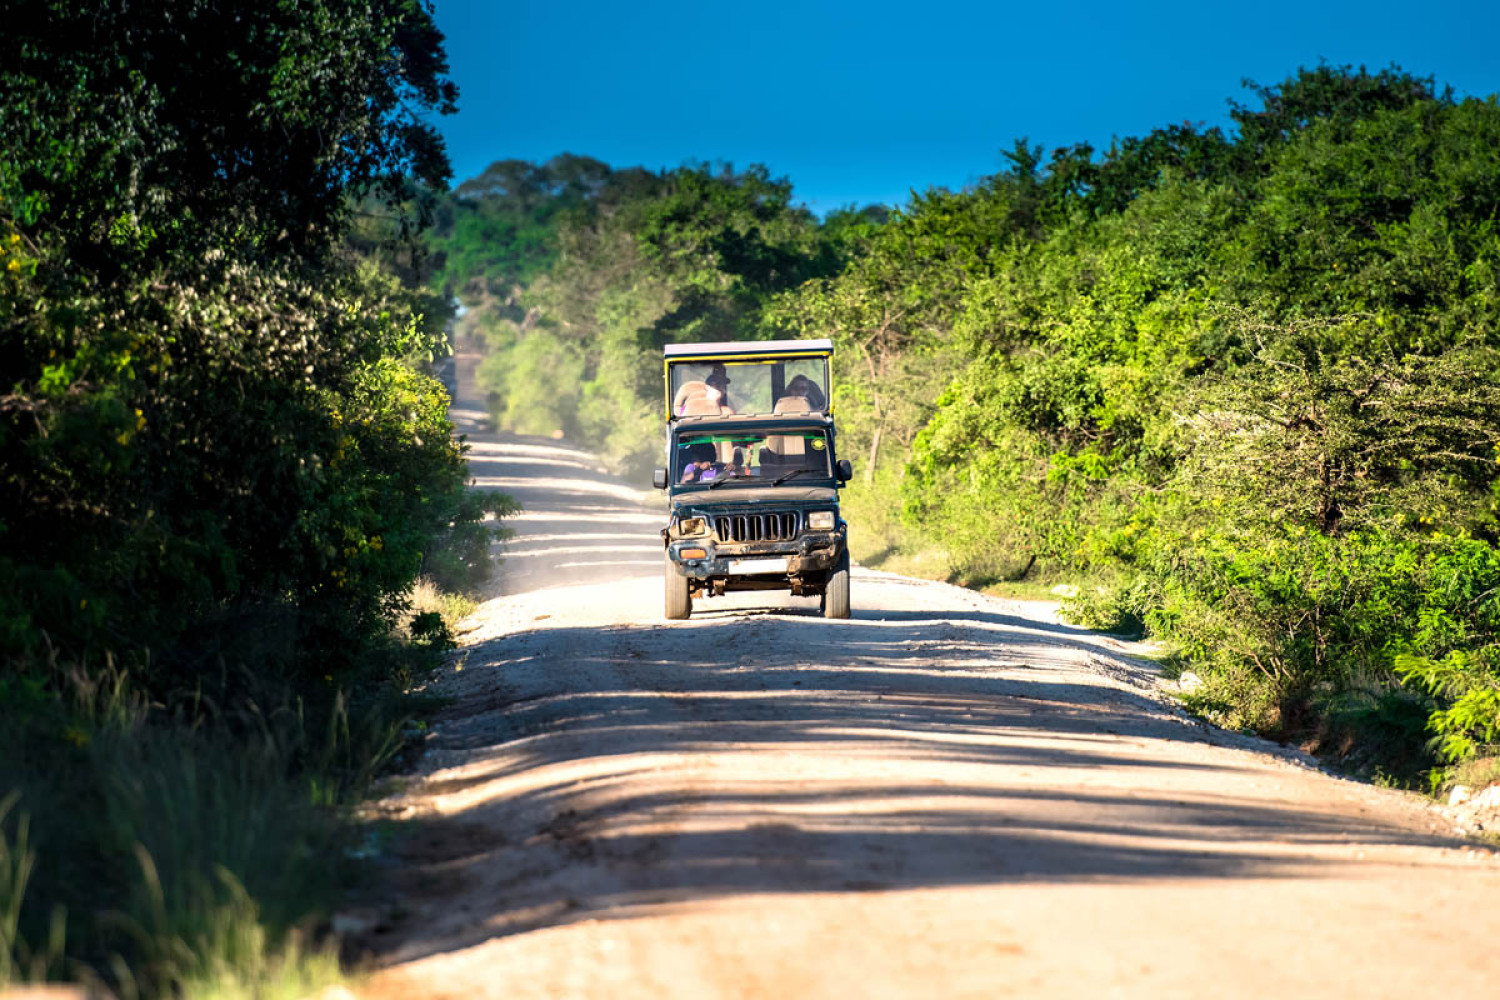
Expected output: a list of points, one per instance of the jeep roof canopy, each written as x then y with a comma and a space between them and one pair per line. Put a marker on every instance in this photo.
741, 378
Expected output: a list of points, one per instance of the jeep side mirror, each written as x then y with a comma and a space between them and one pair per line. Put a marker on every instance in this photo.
659, 478
845, 470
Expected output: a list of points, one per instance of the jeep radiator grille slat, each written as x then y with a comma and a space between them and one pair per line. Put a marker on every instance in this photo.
780, 526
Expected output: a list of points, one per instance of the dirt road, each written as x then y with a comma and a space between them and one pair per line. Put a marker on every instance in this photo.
946, 796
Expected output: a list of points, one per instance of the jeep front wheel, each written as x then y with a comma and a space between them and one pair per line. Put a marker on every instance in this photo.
679, 598
836, 590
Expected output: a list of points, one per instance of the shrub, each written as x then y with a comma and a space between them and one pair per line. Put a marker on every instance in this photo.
1120, 607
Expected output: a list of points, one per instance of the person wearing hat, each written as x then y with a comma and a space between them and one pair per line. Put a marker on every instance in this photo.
711, 395
807, 389
718, 379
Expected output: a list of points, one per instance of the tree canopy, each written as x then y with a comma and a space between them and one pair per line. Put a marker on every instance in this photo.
205, 402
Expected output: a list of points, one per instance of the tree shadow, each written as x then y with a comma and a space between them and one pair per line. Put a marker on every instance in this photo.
573, 797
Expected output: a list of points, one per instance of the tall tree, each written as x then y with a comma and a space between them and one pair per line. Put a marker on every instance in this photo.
197, 385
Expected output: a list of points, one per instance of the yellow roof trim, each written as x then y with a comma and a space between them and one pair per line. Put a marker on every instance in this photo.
744, 358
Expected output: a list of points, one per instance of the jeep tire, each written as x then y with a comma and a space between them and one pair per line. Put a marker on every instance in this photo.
836, 590
679, 597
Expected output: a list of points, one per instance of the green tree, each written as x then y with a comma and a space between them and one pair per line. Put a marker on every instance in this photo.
200, 413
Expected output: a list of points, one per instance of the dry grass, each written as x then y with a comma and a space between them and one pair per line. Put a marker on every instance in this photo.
427, 597
1481, 772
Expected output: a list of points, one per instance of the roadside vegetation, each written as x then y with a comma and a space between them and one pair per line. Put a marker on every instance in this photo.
1241, 388
575, 274
224, 461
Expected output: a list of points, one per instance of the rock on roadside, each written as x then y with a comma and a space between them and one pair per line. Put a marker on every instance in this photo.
1474, 812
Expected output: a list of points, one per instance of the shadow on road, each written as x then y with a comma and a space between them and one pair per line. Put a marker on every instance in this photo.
1011, 771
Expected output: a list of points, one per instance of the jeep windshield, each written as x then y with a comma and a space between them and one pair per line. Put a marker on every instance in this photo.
749, 457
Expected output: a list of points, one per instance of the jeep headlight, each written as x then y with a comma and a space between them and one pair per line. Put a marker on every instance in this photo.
692, 526
820, 520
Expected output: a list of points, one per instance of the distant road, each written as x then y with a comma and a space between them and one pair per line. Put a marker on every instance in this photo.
577, 523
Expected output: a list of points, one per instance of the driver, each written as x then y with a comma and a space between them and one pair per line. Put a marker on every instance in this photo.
700, 465
702, 472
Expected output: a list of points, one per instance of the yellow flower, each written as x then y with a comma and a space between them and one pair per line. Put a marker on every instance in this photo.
13, 266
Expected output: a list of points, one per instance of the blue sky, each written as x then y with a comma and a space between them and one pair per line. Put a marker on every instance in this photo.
863, 102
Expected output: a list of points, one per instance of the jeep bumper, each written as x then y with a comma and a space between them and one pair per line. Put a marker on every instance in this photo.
811, 552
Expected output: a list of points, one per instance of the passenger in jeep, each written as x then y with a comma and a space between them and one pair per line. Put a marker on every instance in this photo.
718, 380
703, 472
802, 387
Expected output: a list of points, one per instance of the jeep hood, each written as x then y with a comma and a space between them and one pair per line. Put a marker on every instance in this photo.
737, 495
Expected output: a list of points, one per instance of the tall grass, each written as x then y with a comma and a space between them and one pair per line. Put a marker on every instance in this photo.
195, 843
194, 848
19, 962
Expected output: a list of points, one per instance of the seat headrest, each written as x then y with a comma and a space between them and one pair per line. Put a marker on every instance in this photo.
786, 445
687, 391
701, 406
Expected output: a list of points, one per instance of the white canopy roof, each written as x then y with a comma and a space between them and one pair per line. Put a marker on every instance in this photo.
749, 347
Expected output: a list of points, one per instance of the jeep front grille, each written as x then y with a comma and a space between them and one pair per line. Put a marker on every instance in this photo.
778, 527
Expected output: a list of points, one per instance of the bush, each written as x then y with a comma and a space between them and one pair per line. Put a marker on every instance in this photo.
210, 406
222, 462
459, 559
1120, 607
1378, 733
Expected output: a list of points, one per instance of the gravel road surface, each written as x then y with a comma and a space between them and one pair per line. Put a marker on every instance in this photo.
947, 796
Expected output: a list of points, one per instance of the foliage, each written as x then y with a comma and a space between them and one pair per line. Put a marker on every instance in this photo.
223, 461
1452, 653
1255, 394
210, 411
1119, 606
500, 230
450, 607
187, 844
1244, 383
1478, 772
19, 961
575, 274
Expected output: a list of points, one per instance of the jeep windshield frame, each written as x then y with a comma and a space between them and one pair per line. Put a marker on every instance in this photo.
731, 456
748, 378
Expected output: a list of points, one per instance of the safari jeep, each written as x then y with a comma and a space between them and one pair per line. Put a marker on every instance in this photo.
753, 475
